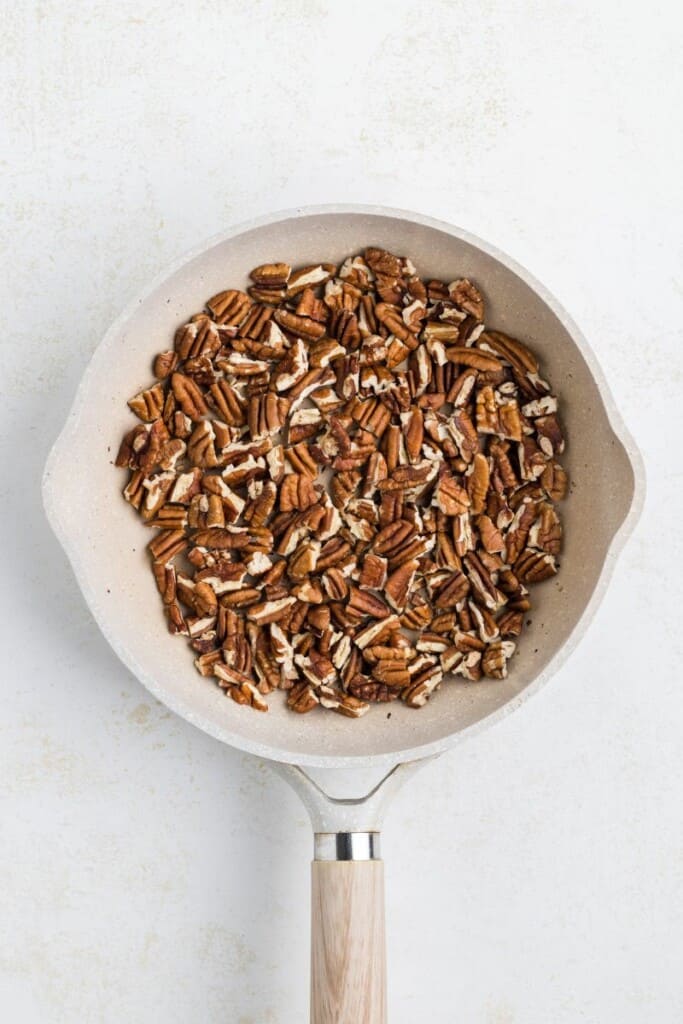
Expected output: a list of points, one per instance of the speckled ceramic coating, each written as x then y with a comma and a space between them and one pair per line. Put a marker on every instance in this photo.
106, 542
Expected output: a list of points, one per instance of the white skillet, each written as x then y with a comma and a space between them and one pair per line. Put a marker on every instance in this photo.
360, 761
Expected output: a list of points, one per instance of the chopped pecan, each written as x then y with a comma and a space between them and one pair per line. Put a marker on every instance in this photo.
377, 462
509, 349
344, 703
148, 404
419, 690
491, 537
478, 484
550, 438
229, 307
473, 357
370, 690
188, 396
165, 363
534, 566
271, 275
495, 658
546, 532
450, 497
309, 277
467, 297
464, 433
302, 698
554, 481
199, 337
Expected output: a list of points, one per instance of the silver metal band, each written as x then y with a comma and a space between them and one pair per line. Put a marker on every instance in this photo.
346, 846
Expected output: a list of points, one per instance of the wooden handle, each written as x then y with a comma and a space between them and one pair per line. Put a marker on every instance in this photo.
348, 955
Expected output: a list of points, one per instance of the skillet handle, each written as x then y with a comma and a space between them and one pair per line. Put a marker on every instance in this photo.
348, 954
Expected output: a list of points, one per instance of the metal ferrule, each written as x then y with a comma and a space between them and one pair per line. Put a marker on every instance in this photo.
346, 846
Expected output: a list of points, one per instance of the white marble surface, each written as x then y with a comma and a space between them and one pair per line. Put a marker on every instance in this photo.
150, 874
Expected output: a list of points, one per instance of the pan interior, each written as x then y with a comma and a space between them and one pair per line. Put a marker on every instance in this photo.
107, 542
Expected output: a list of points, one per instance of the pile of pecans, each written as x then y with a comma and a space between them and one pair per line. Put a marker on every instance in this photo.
352, 482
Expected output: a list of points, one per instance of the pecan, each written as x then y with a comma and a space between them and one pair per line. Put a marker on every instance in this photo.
488, 420
344, 703
510, 623
165, 576
450, 497
353, 548
432, 643
266, 414
134, 492
176, 621
322, 352
503, 466
390, 539
199, 337
438, 335
420, 690
309, 277
238, 365
365, 603
473, 357
478, 484
534, 566
546, 532
391, 673
510, 421
165, 363
188, 396
469, 666
463, 536
413, 425
452, 592
293, 368
302, 698
167, 544
370, 690
148, 404
157, 488
467, 297
509, 349
491, 537
399, 584
304, 560
495, 658
542, 406
484, 623
221, 539
271, 275
553, 479
227, 402
464, 433
381, 261
297, 492
299, 326
344, 328
229, 307
482, 584
201, 445
549, 432
269, 611
393, 320
531, 459
373, 573
461, 389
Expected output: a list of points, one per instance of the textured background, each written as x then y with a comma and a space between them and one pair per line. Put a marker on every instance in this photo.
147, 873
